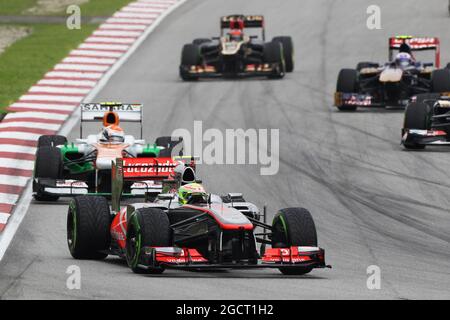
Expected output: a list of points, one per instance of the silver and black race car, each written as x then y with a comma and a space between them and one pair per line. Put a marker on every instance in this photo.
395, 82
237, 54
204, 232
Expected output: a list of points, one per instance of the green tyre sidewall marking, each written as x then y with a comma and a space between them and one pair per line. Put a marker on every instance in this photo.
284, 227
135, 259
73, 211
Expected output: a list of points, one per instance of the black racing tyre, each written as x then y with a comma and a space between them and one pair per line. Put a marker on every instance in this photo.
48, 164
273, 54
366, 64
294, 227
440, 80
417, 115
347, 82
190, 56
448, 65
88, 227
147, 227
200, 41
428, 98
168, 144
288, 51
51, 141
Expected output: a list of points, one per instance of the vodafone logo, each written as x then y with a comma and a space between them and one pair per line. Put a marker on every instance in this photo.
139, 167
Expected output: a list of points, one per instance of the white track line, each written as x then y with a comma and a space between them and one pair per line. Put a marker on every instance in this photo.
73, 75
8, 198
16, 148
17, 163
44, 97
75, 83
108, 61
150, 16
117, 33
81, 67
50, 89
40, 125
111, 26
94, 53
18, 135
94, 46
44, 106
13, 180
38, 115
110, 40
4, 217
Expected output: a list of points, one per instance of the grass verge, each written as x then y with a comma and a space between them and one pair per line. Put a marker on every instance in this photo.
26, 61
91, 8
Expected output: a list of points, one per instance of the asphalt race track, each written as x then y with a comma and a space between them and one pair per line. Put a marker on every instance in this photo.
373, 202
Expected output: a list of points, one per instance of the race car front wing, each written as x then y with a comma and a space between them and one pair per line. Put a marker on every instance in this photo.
72, 188
186, 258
425, 137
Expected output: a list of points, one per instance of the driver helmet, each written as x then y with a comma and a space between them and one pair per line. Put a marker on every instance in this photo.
236, 35
403, 59
112, 134
192, 193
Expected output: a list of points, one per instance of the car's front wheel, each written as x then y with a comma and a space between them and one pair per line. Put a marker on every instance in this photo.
147, 227
294, 227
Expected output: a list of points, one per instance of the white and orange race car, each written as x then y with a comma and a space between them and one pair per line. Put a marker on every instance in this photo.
84, 166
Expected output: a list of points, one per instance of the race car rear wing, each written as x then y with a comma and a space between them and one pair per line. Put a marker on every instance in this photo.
145, 170
239, 21
416, 44
126, 112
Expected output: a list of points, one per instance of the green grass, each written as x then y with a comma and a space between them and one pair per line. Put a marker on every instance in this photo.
26, 61
13, 7
91, 8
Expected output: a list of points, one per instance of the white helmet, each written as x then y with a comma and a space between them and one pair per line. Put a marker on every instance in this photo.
112, 134
403, 59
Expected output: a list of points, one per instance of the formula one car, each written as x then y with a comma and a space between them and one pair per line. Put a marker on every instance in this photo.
187, 228
84, 167
392, 84
427, 121
235, 54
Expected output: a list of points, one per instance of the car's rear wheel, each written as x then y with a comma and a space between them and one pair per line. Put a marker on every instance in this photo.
48, 164
200, 41
294, 227
273, 55
428, 98
416, 117
288, 51
51, 141
190, 56
168, 143
88, 227
147, 227
440, 80
366, 64
347, 83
